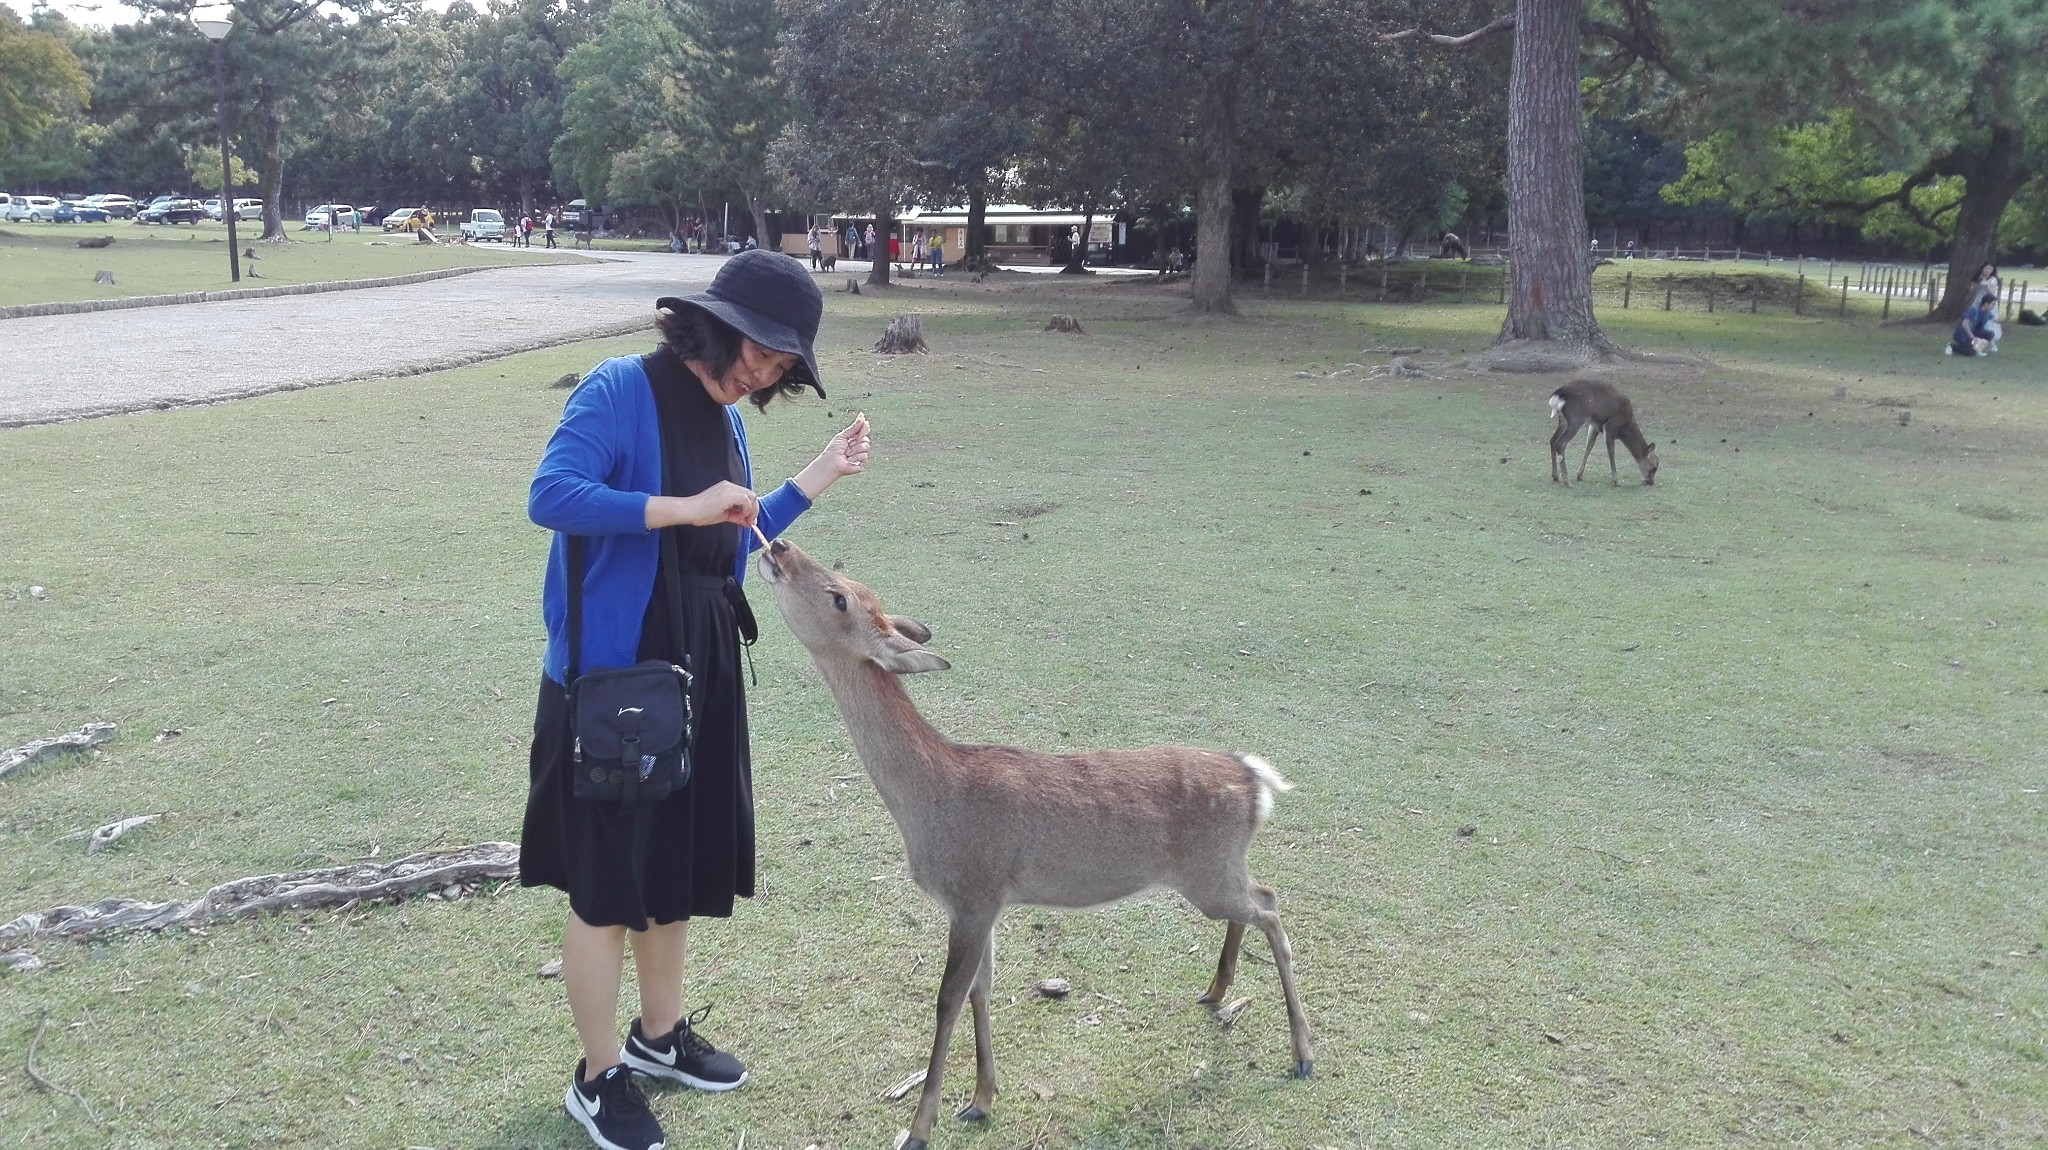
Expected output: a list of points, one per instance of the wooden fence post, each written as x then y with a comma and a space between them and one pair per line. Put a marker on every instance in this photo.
1667, 293
1627, 281
1799, 295
1383, 276
1843, 310
1887, 312
1343, 278
1422, 287
1268, 287
1304, 277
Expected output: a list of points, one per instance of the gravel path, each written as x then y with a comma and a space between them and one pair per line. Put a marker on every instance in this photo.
64, 367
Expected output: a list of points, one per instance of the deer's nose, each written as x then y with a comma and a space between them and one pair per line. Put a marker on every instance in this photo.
777, 547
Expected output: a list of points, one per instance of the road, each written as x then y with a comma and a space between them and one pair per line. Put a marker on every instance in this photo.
63, 367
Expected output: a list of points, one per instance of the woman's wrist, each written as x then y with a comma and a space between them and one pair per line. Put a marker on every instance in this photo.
813, 480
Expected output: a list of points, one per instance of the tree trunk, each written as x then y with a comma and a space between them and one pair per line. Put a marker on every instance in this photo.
758, 208
1217, 140
270, 173
1990, 180
977, 242
1550, 288
885, 222
1211, 295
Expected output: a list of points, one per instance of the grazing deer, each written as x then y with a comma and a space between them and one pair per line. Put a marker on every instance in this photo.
1584, 401
986, 826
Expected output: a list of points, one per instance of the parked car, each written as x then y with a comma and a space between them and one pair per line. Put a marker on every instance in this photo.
33, 209
151, 212
403, 220
118, 207
212, 207
248, 209
576, 216
484, 224
173, 212
82, 213
345, 215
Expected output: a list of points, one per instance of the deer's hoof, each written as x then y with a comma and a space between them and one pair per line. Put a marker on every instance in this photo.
1206, 999
973, 1114
1304, 1067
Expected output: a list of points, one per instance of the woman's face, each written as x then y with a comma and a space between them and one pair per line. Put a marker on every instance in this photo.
1987, 271
757, 367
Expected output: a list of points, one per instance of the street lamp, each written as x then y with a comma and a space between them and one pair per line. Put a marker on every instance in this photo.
216, 30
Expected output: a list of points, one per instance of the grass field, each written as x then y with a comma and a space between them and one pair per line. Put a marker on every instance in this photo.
42, 263
1705, 814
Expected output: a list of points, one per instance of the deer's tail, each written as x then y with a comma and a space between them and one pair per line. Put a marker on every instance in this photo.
1556, 406
1270, 782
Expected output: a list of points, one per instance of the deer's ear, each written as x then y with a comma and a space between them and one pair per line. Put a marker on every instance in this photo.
902, 655
910, 662
911, 628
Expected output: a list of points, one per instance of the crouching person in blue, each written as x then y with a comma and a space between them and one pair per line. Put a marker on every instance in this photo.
1977, 332
641, 870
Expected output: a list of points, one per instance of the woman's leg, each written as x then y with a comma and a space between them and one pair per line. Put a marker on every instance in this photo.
658, 954
592, 959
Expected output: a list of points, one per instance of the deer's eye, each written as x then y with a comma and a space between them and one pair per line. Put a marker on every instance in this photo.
838, 601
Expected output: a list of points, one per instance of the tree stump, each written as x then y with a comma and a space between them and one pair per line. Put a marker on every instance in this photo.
852, 287
96, 242
905, 335
1064, 322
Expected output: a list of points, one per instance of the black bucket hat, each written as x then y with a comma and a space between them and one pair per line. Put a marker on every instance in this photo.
771, 299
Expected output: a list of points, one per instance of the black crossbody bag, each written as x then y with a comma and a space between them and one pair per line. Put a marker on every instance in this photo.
631, 727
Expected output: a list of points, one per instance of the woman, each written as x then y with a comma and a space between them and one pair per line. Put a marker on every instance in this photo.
1984, 285
645, 869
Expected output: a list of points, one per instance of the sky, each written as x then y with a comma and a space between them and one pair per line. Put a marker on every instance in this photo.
107, 13
103, 15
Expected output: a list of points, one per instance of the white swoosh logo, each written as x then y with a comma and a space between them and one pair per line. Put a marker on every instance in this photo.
590, 1105
668, 1059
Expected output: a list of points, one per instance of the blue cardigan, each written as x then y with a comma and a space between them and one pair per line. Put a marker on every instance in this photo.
594, 479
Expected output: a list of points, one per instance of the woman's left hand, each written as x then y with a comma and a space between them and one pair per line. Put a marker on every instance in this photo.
846, 454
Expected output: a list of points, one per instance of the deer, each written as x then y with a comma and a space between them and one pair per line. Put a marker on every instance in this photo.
985, 827
1584, 401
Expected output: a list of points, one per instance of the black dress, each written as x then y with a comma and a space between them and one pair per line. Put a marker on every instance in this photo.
690, 854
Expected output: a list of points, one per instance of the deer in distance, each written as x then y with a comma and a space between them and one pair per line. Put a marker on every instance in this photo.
1586, 401
988, 826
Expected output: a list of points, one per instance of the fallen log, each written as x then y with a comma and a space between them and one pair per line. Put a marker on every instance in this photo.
262, 894
107, 835
86, 737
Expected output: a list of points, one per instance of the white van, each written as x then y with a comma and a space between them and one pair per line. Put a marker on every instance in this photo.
248, 209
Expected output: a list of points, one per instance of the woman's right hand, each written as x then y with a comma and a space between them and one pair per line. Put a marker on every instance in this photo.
722, 502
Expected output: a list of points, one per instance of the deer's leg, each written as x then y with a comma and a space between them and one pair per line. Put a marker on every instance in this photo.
1268, 918
965, 944
1226, 964
1560, 471
1613, 474
1592, 438
984, 1045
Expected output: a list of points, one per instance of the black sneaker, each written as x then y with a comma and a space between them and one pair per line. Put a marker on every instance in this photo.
611, 1109
683, 1055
